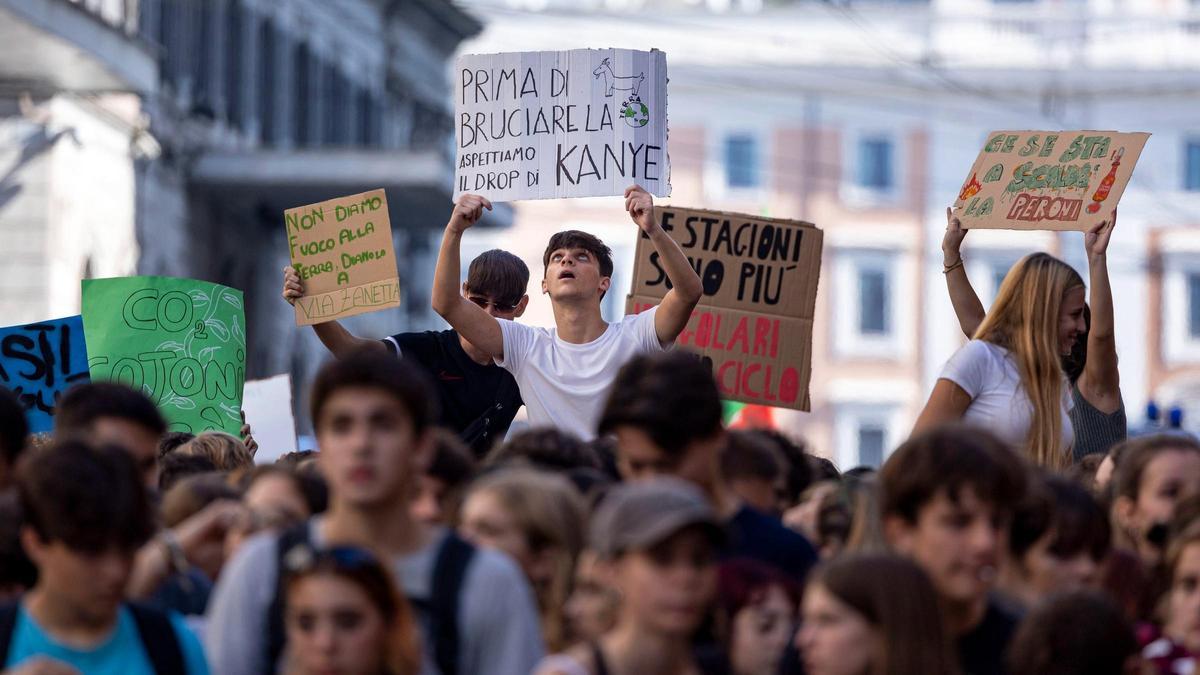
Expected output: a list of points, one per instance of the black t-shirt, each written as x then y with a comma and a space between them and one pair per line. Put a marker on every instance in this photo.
758, 536
479, 402
982, 651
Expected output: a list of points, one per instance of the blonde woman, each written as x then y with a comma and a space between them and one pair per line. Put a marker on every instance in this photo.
538, 519
1009, 378
1097, 412
228, 453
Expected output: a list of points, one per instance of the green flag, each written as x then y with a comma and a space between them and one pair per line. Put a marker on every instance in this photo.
730, 410
179, 341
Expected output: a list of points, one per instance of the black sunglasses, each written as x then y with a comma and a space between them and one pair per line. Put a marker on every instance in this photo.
484, 302
303, 558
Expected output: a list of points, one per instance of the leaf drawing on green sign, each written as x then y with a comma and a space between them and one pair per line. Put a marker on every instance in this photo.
180, 341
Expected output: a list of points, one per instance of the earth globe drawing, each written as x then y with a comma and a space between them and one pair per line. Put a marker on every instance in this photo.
635, 113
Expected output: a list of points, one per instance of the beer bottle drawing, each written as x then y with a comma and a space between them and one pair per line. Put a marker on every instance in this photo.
1106, 184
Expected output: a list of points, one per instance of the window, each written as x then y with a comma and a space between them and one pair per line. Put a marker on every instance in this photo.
872, 302
866, 419
1180, 302
866, 283
1193, 293
872, 437
341, 119
741, 162
267, 60
990, 267
169, 21
1191, 176
203, 74
234, 104
332, 100
302, 121
362, 127
374, 121
999, 272
148, 20
875, 163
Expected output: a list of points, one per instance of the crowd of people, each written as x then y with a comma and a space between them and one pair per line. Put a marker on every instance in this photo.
626, 531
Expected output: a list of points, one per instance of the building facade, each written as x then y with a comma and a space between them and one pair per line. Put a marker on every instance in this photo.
168, 137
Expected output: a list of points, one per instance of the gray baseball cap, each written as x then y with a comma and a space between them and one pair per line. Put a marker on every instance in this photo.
638, 516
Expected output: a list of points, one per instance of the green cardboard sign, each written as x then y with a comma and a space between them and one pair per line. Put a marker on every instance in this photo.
181, 342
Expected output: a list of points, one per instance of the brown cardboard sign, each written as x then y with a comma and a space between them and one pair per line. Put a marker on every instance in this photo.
1048, 180
753, 264
755, 358
754, 322
342, 249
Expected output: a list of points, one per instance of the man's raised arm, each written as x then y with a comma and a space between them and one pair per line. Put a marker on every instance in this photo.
471, 321
676, 307
339, 341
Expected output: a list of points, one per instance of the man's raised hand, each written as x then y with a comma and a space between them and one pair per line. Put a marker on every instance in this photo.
640, 206
467, 212
293, 288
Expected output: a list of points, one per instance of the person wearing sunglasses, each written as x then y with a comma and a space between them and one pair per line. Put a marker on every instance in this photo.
478, 398
564, 371
344, 615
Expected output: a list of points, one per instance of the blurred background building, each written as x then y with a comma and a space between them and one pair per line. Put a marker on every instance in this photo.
167, 137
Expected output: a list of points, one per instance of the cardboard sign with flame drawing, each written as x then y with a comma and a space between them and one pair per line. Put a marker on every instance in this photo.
1048, 180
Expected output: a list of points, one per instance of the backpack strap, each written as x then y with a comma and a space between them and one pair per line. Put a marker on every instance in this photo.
276, 631
158, 639
448, 574
8, 626
598, 660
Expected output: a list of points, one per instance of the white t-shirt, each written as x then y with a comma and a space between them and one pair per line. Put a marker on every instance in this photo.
565, 385
989, 375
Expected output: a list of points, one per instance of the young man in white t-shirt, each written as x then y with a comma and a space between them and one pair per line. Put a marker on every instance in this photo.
564, 372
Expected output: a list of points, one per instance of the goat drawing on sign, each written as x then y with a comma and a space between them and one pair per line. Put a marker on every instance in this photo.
613, 82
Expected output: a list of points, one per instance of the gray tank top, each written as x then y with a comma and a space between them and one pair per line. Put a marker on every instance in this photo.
1095, 431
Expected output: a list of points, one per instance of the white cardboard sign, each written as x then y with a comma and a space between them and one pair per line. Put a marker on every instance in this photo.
545, 125
268, 407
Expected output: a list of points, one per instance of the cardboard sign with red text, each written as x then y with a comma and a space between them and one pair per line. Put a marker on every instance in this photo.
1047, 180
755, 358
754, 322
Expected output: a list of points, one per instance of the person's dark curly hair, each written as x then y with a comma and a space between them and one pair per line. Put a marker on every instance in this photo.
89, 498
670, 396
547, 448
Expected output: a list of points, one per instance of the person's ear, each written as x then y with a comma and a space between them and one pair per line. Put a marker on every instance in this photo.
465, 291
1125, 513
623, 467
545, 286
605, 282
899, 534
521, 306
34, 547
